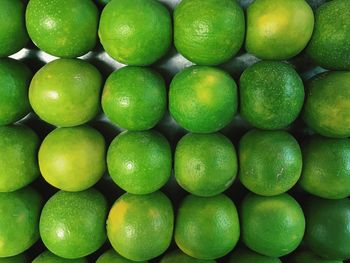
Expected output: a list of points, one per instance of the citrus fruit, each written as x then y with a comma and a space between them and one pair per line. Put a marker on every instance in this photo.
305, 256
327, 227
208, 32
271, 95
139, 162
203, 99
327, 105
140, 227
66, 92
48, 257
329, 45
134, 98
135, 32
21, 258
207, 227
326, 165
111, 256
272, 226
205, 164
278, 30
270, 162
13, 33
14, 83
73, 159
63, 28
72, 224
244, 255
20, 211
177, 256
18, 157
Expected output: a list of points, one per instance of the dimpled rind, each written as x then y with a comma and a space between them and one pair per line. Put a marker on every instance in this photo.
177, 256
245, 255
48, 257
111, 256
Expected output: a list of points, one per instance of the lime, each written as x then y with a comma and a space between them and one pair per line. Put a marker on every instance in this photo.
272, 226
244, 255
20, 211
13, 33
271, 95
21, 258
111, 256
205, 164
279, 29
139, 162
73, 159
207, 227
63, 28
305, 256
140, 227
134, 98
135, 32
327, 105
327, 227
208, 32
270, 162
66, 92
18, 157
178, 256
329, 45
203, 99
72, 225
48, 257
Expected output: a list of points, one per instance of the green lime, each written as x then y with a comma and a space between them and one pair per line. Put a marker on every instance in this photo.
327, 104
19, 221
279, 29
208, 32
73, 159
13, 33
111, 256
63, 28
139, 162
18, 157
270, 162
48, 257
203, 99
305, 256
177, 256
72, 224
207, 227
140, 227
327, 227
244, 255
66, 92
205, 164
134, 98
326, 165
20, 258
271, 95
272, 226
135, 32
329, 45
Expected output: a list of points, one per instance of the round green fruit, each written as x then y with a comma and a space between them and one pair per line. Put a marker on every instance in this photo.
244, 255
48, 257
111, 256
20, 258
177, 256
306, 256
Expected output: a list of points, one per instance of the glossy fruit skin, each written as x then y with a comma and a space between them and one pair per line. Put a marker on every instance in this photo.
48, 257
20, 258
111, 256
208, 32
81, 152
63, 28
18, 157
133, 37
307, 256
272, 226
139, 162
13, 33
270, 162
271, 95
244, 255
329, 45
177, 256
66, 92
327, 104
203, 99
279, 29
15, 77
140, 227
207, 227
19, 221
72, 224
134, 98
205, 164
